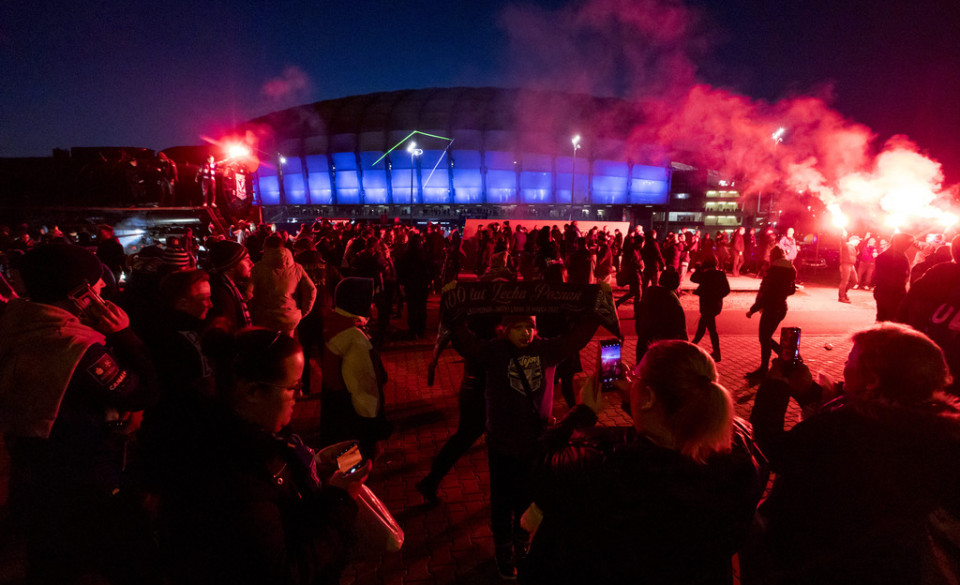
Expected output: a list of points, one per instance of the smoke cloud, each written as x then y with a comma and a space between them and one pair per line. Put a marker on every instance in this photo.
292, 87
646, 52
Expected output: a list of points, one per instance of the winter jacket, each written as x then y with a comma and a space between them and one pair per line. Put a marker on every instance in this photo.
282, 291
713, 287
619, 509
859, 489
776, 286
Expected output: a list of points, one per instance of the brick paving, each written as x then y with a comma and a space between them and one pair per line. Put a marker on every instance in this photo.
451, 543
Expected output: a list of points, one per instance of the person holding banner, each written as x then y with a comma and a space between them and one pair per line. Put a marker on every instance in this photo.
519, 368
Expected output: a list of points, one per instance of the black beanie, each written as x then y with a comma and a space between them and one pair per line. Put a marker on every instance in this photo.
51, 271
354, 295
224, 254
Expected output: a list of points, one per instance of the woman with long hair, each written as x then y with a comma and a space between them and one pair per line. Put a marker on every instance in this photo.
668, 500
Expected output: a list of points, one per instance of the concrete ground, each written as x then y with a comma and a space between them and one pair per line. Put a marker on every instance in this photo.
451, 543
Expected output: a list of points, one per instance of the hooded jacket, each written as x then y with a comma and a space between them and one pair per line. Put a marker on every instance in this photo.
40, 347
282, 291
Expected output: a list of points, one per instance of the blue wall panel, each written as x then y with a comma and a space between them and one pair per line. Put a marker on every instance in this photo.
544, 179
318, 176
374, 178
269, 186
536, 187
293, 187
436, 183
609, 182
649, 185
348, 182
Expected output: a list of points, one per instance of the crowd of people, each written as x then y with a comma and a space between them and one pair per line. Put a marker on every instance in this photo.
146, 404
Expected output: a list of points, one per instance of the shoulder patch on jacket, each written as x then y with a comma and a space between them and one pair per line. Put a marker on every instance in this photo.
107, 372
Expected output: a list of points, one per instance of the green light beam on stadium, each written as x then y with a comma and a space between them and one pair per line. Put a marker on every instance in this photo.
397, 145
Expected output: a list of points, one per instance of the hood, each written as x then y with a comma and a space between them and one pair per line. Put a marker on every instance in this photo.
40, 347
277, 258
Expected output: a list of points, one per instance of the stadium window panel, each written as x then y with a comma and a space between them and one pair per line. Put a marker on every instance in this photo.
403, 176
374, 178
433, 173
536, 187
501, 186
348, 183
648, 172
467, 182
609, 182
536, 179
649, 185
269, 186
565, 182
318, 177
293, 187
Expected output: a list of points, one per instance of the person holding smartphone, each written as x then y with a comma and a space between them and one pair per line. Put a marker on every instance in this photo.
667, 500
867, 485
72, 378
243, 499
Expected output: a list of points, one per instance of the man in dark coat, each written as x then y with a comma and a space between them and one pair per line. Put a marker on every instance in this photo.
652, 260
230, 269
737, 249
890, 278
660, 315
848, 272
713, 287
866, 484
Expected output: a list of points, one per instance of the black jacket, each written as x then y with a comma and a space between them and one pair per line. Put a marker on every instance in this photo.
618, 509
778, 284
855, 488
239, 505
713, 287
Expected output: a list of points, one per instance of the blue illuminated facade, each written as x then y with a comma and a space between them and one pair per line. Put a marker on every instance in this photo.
508, 147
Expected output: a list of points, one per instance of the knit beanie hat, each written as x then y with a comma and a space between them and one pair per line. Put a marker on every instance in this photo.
354, 295
51, 271
224, 254
176, 257
147, 260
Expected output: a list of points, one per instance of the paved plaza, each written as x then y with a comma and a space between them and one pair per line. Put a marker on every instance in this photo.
451, 542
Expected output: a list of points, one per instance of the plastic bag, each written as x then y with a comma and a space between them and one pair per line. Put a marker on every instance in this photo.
377, 530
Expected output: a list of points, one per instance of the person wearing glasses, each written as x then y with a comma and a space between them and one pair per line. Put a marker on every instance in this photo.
242, 500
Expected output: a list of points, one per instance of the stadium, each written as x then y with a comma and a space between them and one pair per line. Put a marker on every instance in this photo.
456, 152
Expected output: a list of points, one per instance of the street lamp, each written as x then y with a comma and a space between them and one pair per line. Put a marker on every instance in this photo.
414, 152
777, 137
573, 172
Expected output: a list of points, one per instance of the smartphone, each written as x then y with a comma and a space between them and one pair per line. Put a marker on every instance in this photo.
350, 459
611, 368
790, 345
84, 297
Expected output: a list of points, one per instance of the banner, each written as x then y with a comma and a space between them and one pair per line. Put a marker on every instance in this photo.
529, 298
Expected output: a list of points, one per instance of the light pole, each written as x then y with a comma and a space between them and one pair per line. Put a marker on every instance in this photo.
573, 172
777, 139
414, 152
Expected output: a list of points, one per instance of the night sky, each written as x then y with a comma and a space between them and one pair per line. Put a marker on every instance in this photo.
113, 73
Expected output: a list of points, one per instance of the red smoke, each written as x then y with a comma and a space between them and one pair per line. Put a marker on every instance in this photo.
645, 51
292, 87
